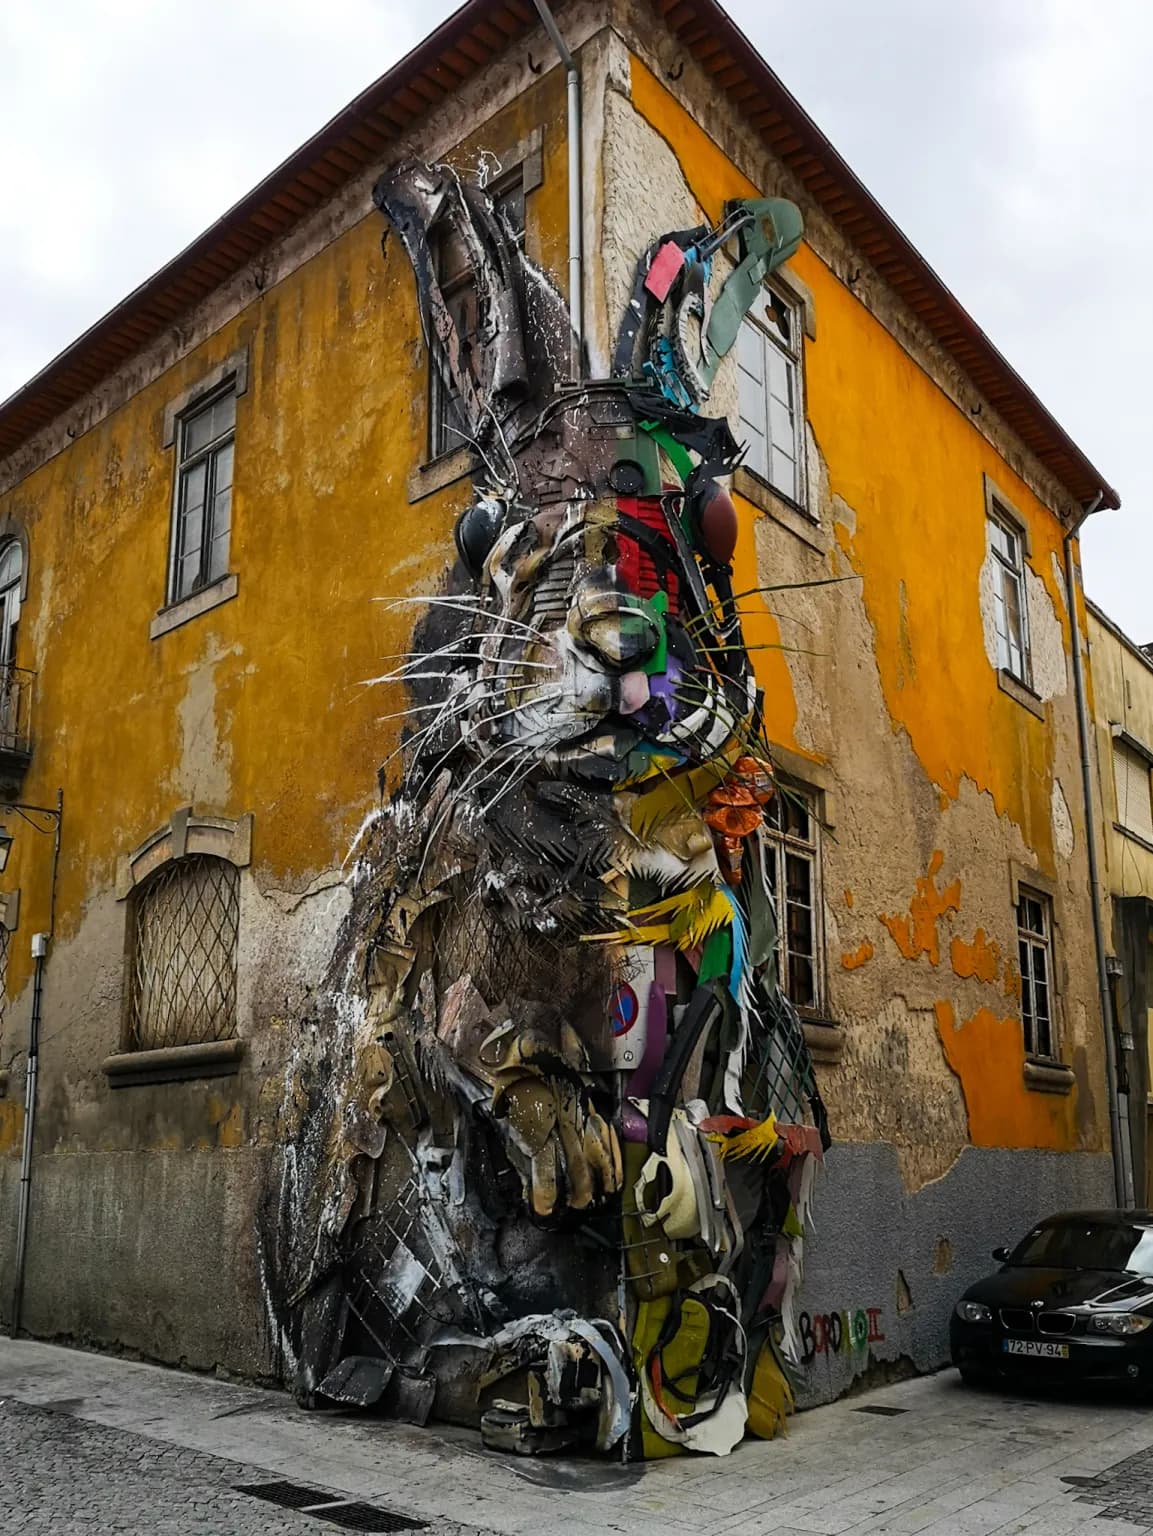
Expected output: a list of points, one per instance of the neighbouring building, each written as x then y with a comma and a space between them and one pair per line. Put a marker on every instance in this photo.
203, 502
1123, 713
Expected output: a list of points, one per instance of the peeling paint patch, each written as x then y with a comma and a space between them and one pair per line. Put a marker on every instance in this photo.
1002, 1111
981, 958
915, 932
1063, 838
853, 959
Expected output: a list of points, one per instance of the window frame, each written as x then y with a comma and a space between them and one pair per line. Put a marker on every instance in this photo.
794, 355
131, 1040
781, 843
1005, 570
1042, 940
186, 462
1122, 742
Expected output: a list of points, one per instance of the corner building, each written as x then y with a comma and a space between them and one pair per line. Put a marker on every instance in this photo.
202, 502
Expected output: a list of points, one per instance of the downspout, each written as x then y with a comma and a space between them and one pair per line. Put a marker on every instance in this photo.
40, 942
1122, 1172
575, 209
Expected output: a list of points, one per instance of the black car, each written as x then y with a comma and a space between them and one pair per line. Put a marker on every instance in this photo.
1073, 1301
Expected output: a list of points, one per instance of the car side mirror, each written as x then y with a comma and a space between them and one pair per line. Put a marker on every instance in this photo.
1001, 1255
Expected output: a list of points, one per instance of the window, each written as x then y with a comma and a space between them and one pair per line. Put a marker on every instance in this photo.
11, 580
1035, 953
448, 423
202, 515
1010, 613
769, 381
182, 952
793, 874
14, 695
1132, 784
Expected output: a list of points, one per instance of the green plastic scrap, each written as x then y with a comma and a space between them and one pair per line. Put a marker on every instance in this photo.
658, 606
766, 244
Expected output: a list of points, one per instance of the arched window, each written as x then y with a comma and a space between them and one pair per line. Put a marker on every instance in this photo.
183, 941
11, 579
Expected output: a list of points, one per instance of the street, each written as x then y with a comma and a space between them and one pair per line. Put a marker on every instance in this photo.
89, 1443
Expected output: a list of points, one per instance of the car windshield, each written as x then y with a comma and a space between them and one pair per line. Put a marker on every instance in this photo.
1081, 1244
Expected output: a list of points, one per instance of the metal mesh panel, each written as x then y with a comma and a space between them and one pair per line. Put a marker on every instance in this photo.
184, 954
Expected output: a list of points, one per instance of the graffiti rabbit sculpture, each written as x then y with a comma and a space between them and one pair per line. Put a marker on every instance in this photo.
553, 1161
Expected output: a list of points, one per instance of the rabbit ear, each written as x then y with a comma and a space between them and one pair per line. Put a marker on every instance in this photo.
491, 345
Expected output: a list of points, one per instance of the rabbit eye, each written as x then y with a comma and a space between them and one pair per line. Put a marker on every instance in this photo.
477, 529
715, 523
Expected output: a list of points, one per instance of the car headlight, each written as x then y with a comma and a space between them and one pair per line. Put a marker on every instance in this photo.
974, 1312
1123, 1323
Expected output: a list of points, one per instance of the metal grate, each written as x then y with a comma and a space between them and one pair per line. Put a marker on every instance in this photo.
186, 918
287, 1495
367, 1517
349, 1513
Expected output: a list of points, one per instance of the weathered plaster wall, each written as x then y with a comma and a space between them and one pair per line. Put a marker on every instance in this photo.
145, 1199
939, 788
885, 1266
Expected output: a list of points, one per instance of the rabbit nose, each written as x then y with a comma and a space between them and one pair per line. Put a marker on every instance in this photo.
621, 630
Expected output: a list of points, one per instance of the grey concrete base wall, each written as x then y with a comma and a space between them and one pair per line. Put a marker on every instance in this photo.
157, 1253
150, 1252
884, 1268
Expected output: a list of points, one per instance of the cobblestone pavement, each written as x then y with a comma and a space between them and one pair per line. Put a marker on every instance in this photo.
61, 1475
134, 1448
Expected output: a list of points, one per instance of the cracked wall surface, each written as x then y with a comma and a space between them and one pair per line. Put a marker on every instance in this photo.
937, 788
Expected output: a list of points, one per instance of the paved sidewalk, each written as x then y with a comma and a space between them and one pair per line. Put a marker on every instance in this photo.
940, 1460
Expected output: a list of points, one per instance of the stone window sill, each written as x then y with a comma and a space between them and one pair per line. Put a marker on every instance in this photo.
192, 607
173, 1063
1048, 1077
748, 483
825, 1040
1023, 694
445, 469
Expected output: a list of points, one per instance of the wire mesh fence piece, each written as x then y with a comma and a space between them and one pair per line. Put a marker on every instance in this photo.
186, 921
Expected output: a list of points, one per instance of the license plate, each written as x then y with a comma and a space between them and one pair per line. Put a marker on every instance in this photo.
1035, 1347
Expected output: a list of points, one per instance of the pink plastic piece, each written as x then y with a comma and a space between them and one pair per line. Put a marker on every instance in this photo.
665, 265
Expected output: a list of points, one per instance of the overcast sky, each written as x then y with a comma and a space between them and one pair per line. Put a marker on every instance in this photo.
1010, 139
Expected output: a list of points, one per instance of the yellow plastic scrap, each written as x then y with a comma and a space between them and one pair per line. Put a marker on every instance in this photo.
675, 794
770, 1397
757, 1142
684, 920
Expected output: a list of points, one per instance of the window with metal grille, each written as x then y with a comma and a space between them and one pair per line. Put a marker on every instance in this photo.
448, 424
1133, 786
769, 385
1035, 954
202, 510
184, 921
794, 873
1010, 611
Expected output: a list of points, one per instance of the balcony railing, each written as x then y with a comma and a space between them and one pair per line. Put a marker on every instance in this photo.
16, 688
